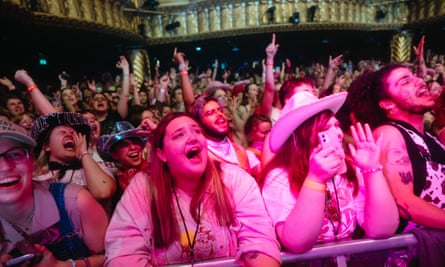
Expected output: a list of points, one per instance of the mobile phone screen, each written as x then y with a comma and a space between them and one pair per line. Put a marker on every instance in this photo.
21, 259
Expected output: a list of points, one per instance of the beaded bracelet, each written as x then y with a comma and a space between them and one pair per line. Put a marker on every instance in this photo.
313, 185
83, 154
371, 170
32, 87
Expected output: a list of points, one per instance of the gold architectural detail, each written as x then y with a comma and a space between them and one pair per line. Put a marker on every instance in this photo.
141, 64
201, 19
401, 47
86, 10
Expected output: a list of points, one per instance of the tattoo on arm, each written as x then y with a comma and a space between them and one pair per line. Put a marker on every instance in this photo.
398, 156
406, 177
251, 255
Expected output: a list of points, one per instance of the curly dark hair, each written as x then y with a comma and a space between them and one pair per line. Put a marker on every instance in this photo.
366, 91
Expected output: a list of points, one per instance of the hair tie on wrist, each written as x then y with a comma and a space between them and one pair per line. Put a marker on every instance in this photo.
32, 87
83, 155
315, 186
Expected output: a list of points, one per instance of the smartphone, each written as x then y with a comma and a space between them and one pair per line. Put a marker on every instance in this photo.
329, 138
20, 259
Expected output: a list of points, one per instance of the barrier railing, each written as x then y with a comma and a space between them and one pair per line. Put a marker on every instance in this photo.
339, 250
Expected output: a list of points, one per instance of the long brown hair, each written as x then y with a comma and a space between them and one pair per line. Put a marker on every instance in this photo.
294, 154
161, 198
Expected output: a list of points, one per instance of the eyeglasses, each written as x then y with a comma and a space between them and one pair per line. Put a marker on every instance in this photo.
16, 154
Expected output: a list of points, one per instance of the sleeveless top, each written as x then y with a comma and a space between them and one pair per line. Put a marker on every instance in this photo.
427, 156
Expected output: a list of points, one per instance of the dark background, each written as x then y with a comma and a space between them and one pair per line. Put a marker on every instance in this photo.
86, 55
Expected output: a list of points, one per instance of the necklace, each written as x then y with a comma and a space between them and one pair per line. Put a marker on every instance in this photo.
191, 243
26, 226
332, 210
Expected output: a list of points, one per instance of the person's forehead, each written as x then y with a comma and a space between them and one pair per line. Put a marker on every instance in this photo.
180, 122
63, 128
399, 73
14, 100
211, 105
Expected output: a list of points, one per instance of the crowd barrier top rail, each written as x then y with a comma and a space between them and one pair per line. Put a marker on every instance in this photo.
335, 249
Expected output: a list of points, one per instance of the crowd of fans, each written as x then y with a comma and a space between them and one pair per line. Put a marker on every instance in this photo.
243, 164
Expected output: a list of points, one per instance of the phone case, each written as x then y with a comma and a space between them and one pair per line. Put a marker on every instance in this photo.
21, 259
328, 138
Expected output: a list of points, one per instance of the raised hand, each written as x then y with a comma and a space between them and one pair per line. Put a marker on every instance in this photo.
92, 85
23, 77
335, 62
81, 145
178, 57
365, 151
6, 82
272, 48
122, 63
418, 50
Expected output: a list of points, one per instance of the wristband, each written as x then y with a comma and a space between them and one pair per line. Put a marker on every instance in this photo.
126, 74
315, 186
83, 155
32, 87
269, 63
183, 73
371, 170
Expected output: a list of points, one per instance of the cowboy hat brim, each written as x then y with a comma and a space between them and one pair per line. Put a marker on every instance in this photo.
286, 124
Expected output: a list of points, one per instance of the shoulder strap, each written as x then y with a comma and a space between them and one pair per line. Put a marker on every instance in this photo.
58, 192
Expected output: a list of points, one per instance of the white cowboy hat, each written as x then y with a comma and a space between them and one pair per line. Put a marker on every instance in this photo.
300, 107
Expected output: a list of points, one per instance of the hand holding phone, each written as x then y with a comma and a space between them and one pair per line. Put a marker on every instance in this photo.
330, 138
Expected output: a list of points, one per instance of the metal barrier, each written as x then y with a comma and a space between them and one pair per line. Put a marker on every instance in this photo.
339, 250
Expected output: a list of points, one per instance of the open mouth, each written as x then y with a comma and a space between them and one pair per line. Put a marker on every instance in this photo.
133, 155
68, 143
421, 93
424, 90
8, 182
193, 152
